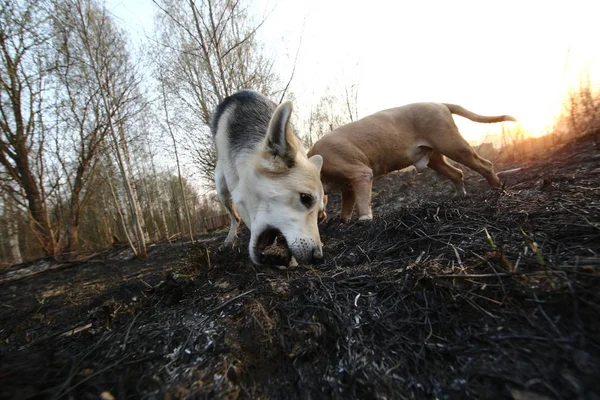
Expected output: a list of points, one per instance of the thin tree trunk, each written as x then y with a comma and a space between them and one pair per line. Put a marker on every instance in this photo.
160, 206
175, 206
140, 246
129, 171
151, 210
12, 230
73, 228
108, 235
185, 204
164, 221
122, 217
73, 235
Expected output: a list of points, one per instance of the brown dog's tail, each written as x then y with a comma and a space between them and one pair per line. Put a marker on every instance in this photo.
463, 112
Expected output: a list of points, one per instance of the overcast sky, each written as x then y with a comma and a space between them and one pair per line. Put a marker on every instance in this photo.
513, 57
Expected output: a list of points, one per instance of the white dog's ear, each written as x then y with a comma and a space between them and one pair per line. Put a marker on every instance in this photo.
280, 135
317, 160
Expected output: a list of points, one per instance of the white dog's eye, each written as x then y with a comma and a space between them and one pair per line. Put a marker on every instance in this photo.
307, 199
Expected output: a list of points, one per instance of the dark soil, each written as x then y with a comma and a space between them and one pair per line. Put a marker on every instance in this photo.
496, 295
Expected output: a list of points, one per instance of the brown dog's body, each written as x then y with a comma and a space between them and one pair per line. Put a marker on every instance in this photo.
418, 134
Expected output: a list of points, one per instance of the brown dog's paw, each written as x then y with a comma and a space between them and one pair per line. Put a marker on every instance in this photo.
459, 193
502, 190
366, 218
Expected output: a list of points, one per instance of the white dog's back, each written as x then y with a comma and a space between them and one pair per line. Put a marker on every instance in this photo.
239, 125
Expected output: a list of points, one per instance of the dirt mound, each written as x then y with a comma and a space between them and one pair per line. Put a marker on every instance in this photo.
496, 295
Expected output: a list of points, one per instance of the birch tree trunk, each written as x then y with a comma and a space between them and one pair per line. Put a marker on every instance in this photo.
12, 229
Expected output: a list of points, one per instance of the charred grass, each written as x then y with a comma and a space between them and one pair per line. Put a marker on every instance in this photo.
496, 295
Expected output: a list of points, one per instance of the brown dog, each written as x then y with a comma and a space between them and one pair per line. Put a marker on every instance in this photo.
419, 134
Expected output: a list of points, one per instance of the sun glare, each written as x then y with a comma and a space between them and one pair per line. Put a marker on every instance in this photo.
536, 117
533, 121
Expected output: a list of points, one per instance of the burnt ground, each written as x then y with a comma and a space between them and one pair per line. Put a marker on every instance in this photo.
419, 303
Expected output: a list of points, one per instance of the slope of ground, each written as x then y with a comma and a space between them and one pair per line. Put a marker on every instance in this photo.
496, 295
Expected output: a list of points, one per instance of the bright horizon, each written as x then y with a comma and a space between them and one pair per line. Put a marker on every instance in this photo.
512, 57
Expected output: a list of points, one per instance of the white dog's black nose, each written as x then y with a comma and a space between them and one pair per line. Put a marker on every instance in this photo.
317, 255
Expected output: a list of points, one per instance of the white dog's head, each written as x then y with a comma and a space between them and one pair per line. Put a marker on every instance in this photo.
282, 193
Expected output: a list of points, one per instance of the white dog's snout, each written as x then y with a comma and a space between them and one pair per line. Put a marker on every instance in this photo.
306, 250
318, 253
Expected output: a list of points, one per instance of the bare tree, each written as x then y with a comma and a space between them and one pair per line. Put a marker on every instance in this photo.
330, 112
71, 112
117, 84
351, 101
23, 72
83, 124
207, 50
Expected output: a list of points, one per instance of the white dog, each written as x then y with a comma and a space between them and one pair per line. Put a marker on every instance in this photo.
264, 175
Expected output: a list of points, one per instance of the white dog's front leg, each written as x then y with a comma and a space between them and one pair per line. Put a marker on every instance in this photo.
234, 223
232, 235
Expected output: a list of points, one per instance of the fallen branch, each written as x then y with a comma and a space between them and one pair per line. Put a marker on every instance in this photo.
76, 330
65, 333
229, 301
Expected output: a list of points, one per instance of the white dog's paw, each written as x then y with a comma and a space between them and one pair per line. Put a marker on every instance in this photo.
227, 246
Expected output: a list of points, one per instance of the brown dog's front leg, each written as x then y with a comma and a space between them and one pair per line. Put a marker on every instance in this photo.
322, 215
362, 189
348, 201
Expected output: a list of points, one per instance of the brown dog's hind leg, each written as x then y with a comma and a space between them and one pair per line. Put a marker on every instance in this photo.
438, 162
348, 201
463, 153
